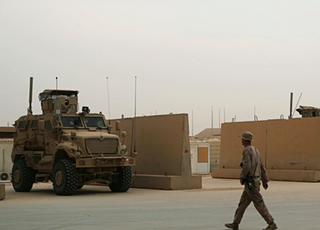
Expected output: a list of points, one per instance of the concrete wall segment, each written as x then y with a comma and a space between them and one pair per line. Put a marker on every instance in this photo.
231, 147
290, 149
163, 147
294, 144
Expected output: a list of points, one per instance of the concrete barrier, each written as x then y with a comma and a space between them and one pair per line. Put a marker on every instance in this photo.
2, 191
289, 149
163, 147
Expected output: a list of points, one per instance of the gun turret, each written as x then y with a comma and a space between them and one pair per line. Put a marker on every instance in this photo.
68, 101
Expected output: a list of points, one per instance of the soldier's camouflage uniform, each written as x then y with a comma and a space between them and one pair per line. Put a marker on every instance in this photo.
251, 163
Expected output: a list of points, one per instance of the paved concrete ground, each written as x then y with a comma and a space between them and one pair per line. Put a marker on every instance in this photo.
293, 205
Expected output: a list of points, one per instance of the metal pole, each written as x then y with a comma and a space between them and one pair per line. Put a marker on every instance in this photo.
135, 114
108, 101
291, 99
30, 95
192, 122
219, 120
296, 105
4, 160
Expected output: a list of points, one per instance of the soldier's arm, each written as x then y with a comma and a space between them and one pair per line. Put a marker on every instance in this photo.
264, 176
246, 164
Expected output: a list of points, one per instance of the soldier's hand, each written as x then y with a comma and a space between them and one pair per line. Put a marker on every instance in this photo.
265, 185
241, 181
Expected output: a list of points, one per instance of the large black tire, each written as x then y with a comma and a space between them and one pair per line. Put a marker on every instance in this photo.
22, 176
123, 181
65, 178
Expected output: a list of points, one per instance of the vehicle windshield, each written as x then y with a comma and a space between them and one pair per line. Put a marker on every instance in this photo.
95, 122
71, 121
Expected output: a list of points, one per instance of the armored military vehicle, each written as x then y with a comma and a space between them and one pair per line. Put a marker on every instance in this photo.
68, 147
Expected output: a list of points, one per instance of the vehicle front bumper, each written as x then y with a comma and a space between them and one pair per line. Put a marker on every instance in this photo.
104, 162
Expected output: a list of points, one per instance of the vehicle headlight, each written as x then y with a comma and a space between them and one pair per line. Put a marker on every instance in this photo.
122, 151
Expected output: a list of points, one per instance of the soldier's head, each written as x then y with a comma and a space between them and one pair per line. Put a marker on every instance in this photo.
246, 138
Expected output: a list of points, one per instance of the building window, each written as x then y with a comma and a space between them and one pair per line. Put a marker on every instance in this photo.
202, 155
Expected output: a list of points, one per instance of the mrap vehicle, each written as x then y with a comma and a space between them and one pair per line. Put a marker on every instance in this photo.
69, 148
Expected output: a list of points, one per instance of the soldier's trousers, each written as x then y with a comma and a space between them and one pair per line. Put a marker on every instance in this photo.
254, 196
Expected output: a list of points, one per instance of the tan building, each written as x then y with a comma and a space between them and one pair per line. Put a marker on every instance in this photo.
208, 133
6, 143
6, 132
205, 150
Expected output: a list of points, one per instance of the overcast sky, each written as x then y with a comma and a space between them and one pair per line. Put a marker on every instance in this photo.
237, 57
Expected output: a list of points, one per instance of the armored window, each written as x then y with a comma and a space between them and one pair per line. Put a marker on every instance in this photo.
22, 124
71, 121
95, 122
48, 126
34, 124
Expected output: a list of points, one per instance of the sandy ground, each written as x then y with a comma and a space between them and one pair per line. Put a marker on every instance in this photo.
293, 205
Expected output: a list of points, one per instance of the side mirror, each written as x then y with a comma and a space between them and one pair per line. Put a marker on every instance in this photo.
118, 126
123, 135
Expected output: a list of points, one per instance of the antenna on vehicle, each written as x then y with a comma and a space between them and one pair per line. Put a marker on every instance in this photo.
108, 100
30, 96
57, 104
135, 114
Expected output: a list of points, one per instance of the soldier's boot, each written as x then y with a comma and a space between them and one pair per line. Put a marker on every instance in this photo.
233, 226
271, 226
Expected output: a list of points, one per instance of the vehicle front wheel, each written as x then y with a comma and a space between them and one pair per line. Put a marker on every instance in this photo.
123, 181
64, 177
22, 176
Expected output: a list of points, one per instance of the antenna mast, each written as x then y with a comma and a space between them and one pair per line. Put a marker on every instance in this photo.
108, 101
297, 104
291, 99
192, 121
135, 114
30, 96
211, 120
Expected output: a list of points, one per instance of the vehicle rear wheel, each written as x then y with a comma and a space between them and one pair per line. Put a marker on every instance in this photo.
124, 180
22, 176
64, 177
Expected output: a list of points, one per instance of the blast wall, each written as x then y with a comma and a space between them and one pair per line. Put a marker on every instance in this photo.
162, 143
290, 149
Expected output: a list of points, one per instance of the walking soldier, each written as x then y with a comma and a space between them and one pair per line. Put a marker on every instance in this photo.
251, 173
